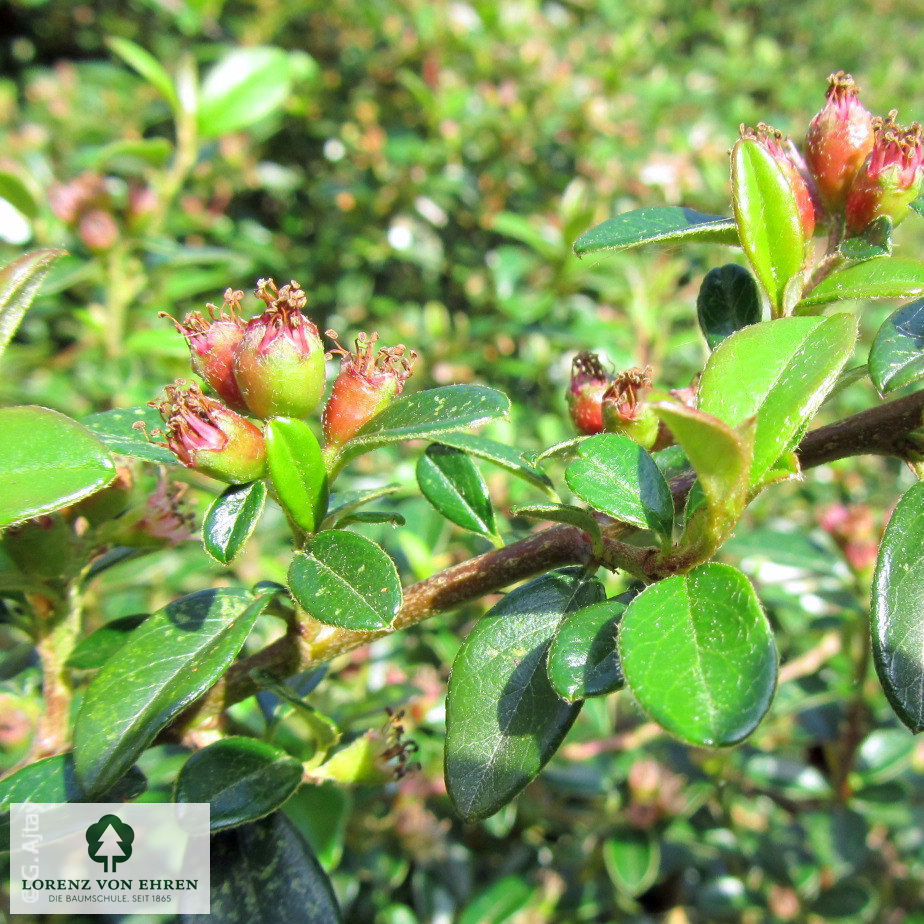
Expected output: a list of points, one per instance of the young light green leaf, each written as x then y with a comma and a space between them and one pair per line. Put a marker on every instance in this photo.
779, 371
728, 300
170, 660
896, 358
148, 67
14, 191
99, 646
47, 461
344, 579
582, 659
565, 513
768, 218
117, 430
897, 617
632, 859
448, 479
231, 518
616, 476
243, 779
882, 277
697, 651
246, 85
507, 457
19, 283
655, 225
504, 720
264, 870
297, 470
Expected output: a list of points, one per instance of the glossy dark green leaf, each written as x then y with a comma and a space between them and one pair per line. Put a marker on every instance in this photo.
242, 778
117, 430
19, 283
231, 518
565, 513
897, 616
427, 414
896, 358
371, 516
632, 859
654, 225
344, 579
616, 476
343, 503
504, 720
583, 660
507, 457
883, 277
14, 191
768, 218
875, 241
264, 871
779, 372
297, 470
448, 479
148, 67
698, 654
170, 660
47, 461
99, 646
728, 300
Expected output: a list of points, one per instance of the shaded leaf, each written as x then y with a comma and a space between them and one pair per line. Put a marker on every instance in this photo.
99, 646
231, 518
507, 457
117, 430
896, 358
632, 859
728, 300
565, 513
448, 479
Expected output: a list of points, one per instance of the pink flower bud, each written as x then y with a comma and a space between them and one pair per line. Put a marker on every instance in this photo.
279, 364
368, 382
210, 438
98, 230
589, 380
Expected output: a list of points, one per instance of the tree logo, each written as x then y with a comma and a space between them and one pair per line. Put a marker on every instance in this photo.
109, 841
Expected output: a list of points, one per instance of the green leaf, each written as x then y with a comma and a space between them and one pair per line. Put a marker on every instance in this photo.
231, 518
428, 414
632, 859
897, 616
768, 218
14, 191
19, 283
779, 371
117, 430
498, 903
344, 579
243, 779
264, 870
616, 476
875, 241
246, 85
99, 646
583, 660
448, 479
507, 457
297, 470
132, 152
145, 64
343, 503
918, 205
169, 661
728, 300
654, 225
896, 358
884, 755
565, 513
503, 718
883, 277
47, 461
698, 653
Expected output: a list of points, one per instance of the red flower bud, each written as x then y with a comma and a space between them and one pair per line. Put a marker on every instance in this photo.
838, 140
589, 380
625, 410
790, 162
891, 176
98, 230
368, 382
207, 436
279, 364
213, 342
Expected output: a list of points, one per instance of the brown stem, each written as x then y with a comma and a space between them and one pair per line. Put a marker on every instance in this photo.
883, 430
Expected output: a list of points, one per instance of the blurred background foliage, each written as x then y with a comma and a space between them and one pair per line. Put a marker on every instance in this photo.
422, 169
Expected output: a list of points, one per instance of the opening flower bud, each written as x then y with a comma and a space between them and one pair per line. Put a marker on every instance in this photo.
790, 162
368, 382
279, 364
589, 380
891, 176
213, 339
209, 437
838, 140
625, 409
